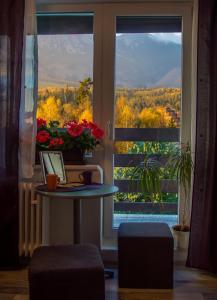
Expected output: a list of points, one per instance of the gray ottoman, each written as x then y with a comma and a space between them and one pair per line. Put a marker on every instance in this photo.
145, 256
66, 272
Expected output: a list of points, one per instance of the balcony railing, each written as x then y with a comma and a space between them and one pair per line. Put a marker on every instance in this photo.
147, 134
132, 160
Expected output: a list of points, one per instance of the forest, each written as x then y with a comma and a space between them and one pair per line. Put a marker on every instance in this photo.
134, 108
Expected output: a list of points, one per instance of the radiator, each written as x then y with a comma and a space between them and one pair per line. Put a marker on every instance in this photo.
30, 219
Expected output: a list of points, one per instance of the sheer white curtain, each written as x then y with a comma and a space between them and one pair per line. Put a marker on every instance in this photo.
29, 94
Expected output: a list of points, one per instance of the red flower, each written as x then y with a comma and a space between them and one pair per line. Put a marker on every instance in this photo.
41, 122
42, 136
69, 123
56, 142
92, 125
89, 125
75, 129
84, 123
98, 133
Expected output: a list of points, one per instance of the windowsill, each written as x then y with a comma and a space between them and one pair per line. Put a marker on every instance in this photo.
125, 218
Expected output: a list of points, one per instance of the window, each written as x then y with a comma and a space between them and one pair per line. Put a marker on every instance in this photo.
138, 57
148, 89
65, 51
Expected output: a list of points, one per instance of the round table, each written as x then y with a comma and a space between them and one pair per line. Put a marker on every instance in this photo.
103, 190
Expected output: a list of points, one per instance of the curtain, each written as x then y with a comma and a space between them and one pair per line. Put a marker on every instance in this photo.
11, 45
203, 236
28, 103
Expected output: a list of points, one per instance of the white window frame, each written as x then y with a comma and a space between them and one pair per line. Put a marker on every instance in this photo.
97, 51
104, 71
109, 32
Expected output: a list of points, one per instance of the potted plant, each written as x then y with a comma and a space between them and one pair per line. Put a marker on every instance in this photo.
74, 139
149, 173
180, 166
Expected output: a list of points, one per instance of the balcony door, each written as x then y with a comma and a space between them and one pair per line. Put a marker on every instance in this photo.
138, 57
146, 76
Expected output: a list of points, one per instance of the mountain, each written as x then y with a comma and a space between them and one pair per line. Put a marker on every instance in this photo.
173, 76
141, 60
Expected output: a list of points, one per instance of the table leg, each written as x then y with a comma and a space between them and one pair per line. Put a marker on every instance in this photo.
77, 221
43, 211
77, 231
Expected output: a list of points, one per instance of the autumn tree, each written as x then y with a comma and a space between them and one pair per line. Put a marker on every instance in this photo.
50, 110
154, 118
65, 104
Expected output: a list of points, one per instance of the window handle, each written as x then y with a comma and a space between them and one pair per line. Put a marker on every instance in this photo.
110, 130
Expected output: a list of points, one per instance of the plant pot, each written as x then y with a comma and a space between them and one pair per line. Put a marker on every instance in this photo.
181, 239
73, 157
70, 157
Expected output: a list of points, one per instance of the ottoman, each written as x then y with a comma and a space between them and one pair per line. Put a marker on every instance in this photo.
66, 272
145, 256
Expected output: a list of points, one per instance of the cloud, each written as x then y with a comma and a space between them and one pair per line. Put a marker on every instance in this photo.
175, 37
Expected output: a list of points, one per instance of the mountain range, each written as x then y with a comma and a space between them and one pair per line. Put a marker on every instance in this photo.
141, 60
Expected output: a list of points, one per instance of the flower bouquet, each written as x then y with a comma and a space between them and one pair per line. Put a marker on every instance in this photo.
75, 136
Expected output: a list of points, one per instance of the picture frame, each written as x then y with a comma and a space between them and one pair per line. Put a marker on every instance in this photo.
52, 163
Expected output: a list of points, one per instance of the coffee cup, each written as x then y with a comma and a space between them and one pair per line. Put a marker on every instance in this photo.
86, 177
52, 181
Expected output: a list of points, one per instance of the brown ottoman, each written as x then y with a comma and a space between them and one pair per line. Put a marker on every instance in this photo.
66, 272
145, 256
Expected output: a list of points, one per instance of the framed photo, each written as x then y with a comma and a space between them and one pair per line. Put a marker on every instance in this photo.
52, 163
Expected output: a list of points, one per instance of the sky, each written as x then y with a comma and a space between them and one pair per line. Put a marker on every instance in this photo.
175, 37
168, 37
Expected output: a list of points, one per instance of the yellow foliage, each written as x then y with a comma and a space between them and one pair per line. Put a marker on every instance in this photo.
87, 115
69, 112
123, 147
134, 108
154, 118
124, 113
50, 110
51, 107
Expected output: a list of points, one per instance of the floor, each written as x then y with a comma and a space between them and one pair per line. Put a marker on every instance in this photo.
189, 284
121, 218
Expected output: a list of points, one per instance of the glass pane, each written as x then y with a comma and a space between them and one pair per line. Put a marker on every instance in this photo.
147, 96
65, 67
